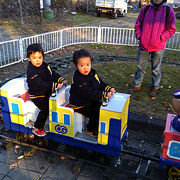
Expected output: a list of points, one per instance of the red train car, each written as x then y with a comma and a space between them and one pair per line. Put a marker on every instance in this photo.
171, 146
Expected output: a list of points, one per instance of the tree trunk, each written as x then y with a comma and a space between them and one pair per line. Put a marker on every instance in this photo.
139, 5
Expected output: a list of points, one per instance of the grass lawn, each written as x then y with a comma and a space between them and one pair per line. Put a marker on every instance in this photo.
129, 51
120, 75
84, 18
177, 25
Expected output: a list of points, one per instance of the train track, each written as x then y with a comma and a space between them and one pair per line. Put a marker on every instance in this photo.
133, 163
64, 64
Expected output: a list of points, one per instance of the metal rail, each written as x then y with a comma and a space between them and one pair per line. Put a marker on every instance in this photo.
137, 174
98, 58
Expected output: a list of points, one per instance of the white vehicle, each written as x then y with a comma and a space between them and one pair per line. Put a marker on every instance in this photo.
111, 7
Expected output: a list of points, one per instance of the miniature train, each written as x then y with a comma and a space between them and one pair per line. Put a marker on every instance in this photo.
68, 127
64, 125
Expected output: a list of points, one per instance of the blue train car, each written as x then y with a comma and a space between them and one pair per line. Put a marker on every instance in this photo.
63, 124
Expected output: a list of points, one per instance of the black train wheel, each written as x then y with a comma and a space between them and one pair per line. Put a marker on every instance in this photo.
22, 137
41, 142
174, 173
31, 137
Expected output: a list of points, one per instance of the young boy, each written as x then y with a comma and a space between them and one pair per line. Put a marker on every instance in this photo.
42, 81
87, 90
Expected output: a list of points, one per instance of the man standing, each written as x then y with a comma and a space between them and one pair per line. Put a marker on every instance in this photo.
155, 24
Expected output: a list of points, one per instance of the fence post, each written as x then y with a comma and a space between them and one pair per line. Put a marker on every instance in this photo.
60, 39
21, 49
99, 35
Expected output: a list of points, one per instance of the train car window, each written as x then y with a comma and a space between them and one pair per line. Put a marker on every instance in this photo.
54, 116
174, 149
103, 128
15, 108
67, 119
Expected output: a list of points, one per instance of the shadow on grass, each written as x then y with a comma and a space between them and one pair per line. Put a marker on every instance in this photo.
120, 76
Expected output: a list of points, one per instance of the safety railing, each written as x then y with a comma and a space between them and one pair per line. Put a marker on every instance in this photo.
14, 51
174, 42
119, 36
10, 52
79, 35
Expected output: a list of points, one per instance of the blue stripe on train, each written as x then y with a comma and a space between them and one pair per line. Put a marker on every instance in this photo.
5, 112
115, 133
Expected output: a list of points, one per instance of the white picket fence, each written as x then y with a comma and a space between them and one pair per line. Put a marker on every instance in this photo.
14, 51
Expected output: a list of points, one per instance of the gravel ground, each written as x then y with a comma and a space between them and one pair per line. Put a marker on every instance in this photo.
127, 21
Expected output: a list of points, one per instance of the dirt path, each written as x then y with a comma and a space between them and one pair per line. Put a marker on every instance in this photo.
121, 22
8, 32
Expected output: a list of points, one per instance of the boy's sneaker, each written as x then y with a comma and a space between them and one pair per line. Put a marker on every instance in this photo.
39, 132
153, 93
93, 134
89, 133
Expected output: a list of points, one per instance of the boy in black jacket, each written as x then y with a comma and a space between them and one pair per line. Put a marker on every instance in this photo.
87, 90
42, 81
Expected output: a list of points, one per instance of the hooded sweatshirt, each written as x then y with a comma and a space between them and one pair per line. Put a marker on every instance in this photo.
42, 80
152, 29
87, 88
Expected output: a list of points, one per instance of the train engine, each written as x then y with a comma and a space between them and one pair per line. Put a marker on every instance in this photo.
63, 124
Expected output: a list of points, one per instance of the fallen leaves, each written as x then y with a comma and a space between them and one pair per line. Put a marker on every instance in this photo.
14, 165
62, 157
168, 106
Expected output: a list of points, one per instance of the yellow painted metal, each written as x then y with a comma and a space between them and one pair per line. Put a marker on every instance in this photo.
16, 118
3, 93
105, 117
125, 117
61, 110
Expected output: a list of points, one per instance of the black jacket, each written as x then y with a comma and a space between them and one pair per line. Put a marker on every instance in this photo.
42, 80
87, 88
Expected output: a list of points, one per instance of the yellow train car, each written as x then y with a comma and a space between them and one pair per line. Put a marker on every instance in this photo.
63, 124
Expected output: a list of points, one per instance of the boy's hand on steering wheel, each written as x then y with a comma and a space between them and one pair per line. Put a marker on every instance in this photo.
62, 84
109, 94
112, 90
